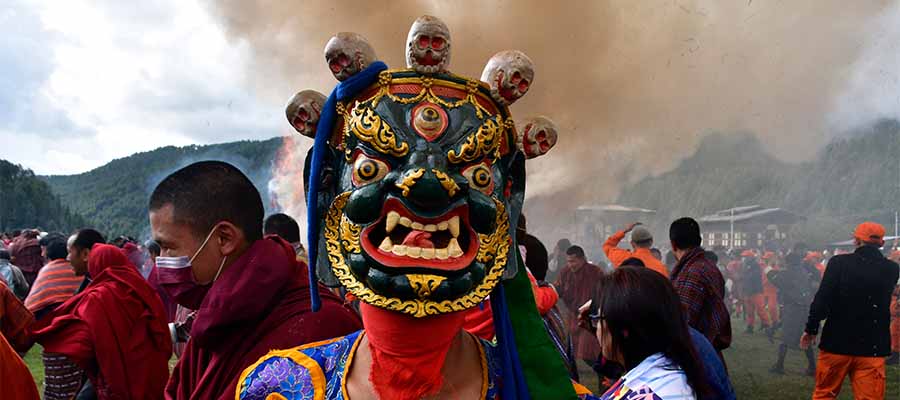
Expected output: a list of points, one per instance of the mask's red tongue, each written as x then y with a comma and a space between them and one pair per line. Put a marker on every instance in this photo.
418, 239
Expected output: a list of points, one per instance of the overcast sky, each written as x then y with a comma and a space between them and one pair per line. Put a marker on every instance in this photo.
82, 83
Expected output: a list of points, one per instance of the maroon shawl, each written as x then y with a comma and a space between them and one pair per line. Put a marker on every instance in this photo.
260, 303
115, 330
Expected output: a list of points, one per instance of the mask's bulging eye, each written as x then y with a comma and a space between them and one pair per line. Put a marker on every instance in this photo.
367, 170
480, 177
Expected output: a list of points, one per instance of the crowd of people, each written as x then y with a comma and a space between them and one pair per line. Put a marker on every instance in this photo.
219, 287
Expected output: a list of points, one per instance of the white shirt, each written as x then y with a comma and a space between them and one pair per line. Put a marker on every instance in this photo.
653, 379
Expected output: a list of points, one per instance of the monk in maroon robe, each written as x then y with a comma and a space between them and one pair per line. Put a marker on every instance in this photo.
576, 285
251, 294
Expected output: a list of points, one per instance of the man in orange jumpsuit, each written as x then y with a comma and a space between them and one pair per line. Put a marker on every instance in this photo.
854, 300
752, 286
894, 359
770, 292
641, 242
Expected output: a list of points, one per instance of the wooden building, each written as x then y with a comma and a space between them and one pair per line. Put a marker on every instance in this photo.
748, 227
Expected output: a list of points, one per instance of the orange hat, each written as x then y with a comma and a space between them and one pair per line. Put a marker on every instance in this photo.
869, 232
767, 255
748, 253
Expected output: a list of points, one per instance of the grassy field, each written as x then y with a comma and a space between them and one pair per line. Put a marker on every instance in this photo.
35, 364
749, 359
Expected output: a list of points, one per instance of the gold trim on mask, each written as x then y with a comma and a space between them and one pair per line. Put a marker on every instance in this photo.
496, 245
409, 180
425, 284
350, 235
386, 79
368, 127
446, 181
484, 142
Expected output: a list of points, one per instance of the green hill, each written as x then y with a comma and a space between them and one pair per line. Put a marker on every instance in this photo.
28, 202
113, 198
853, 178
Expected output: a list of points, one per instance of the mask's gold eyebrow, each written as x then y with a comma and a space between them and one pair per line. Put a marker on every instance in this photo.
369, 128
485, 142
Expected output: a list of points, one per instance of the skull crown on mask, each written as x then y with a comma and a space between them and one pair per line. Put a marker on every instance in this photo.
303, 112
428, 46
347, 53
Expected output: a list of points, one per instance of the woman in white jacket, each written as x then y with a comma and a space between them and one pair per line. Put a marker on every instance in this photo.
638, 320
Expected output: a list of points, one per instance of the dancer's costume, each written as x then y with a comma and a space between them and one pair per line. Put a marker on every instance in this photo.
414, 184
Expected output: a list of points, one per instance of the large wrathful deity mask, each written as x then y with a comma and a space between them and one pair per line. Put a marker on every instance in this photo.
423, 179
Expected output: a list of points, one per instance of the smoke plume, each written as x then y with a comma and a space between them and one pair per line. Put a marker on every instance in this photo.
633, 84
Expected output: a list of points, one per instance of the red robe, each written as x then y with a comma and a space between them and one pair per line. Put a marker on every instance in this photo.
115, 330
15, 379
260, 303
575, 288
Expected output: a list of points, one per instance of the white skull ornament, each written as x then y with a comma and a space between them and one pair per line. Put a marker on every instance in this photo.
510, 74
347, 53
303, 111
538, 136
428, 45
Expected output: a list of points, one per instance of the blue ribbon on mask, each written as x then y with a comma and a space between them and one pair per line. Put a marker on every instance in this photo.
343, 91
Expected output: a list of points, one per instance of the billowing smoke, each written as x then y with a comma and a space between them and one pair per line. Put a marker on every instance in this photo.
286, 185
632, 84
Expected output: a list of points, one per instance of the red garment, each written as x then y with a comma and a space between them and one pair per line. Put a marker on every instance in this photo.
895, 320
701, 288
575, 288
115, 330
26, 254
259, 303
480, 321
15, 320
55, 284
15, 379
405, 367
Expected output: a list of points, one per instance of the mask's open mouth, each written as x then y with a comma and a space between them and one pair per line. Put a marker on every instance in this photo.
404, 240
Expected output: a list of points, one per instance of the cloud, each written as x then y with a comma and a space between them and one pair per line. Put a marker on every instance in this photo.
104, 80
24, 106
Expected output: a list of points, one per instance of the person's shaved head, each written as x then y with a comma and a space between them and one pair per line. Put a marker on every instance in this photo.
282, 225
207, 192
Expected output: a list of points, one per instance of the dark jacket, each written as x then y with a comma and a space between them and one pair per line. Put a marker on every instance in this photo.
751, 277
795, 284
854, 299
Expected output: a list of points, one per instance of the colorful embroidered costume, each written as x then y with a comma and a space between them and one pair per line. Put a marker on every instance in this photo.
317, 371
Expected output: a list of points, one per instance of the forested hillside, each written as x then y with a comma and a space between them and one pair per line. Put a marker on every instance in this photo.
27, 202
114, 197
850, 180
